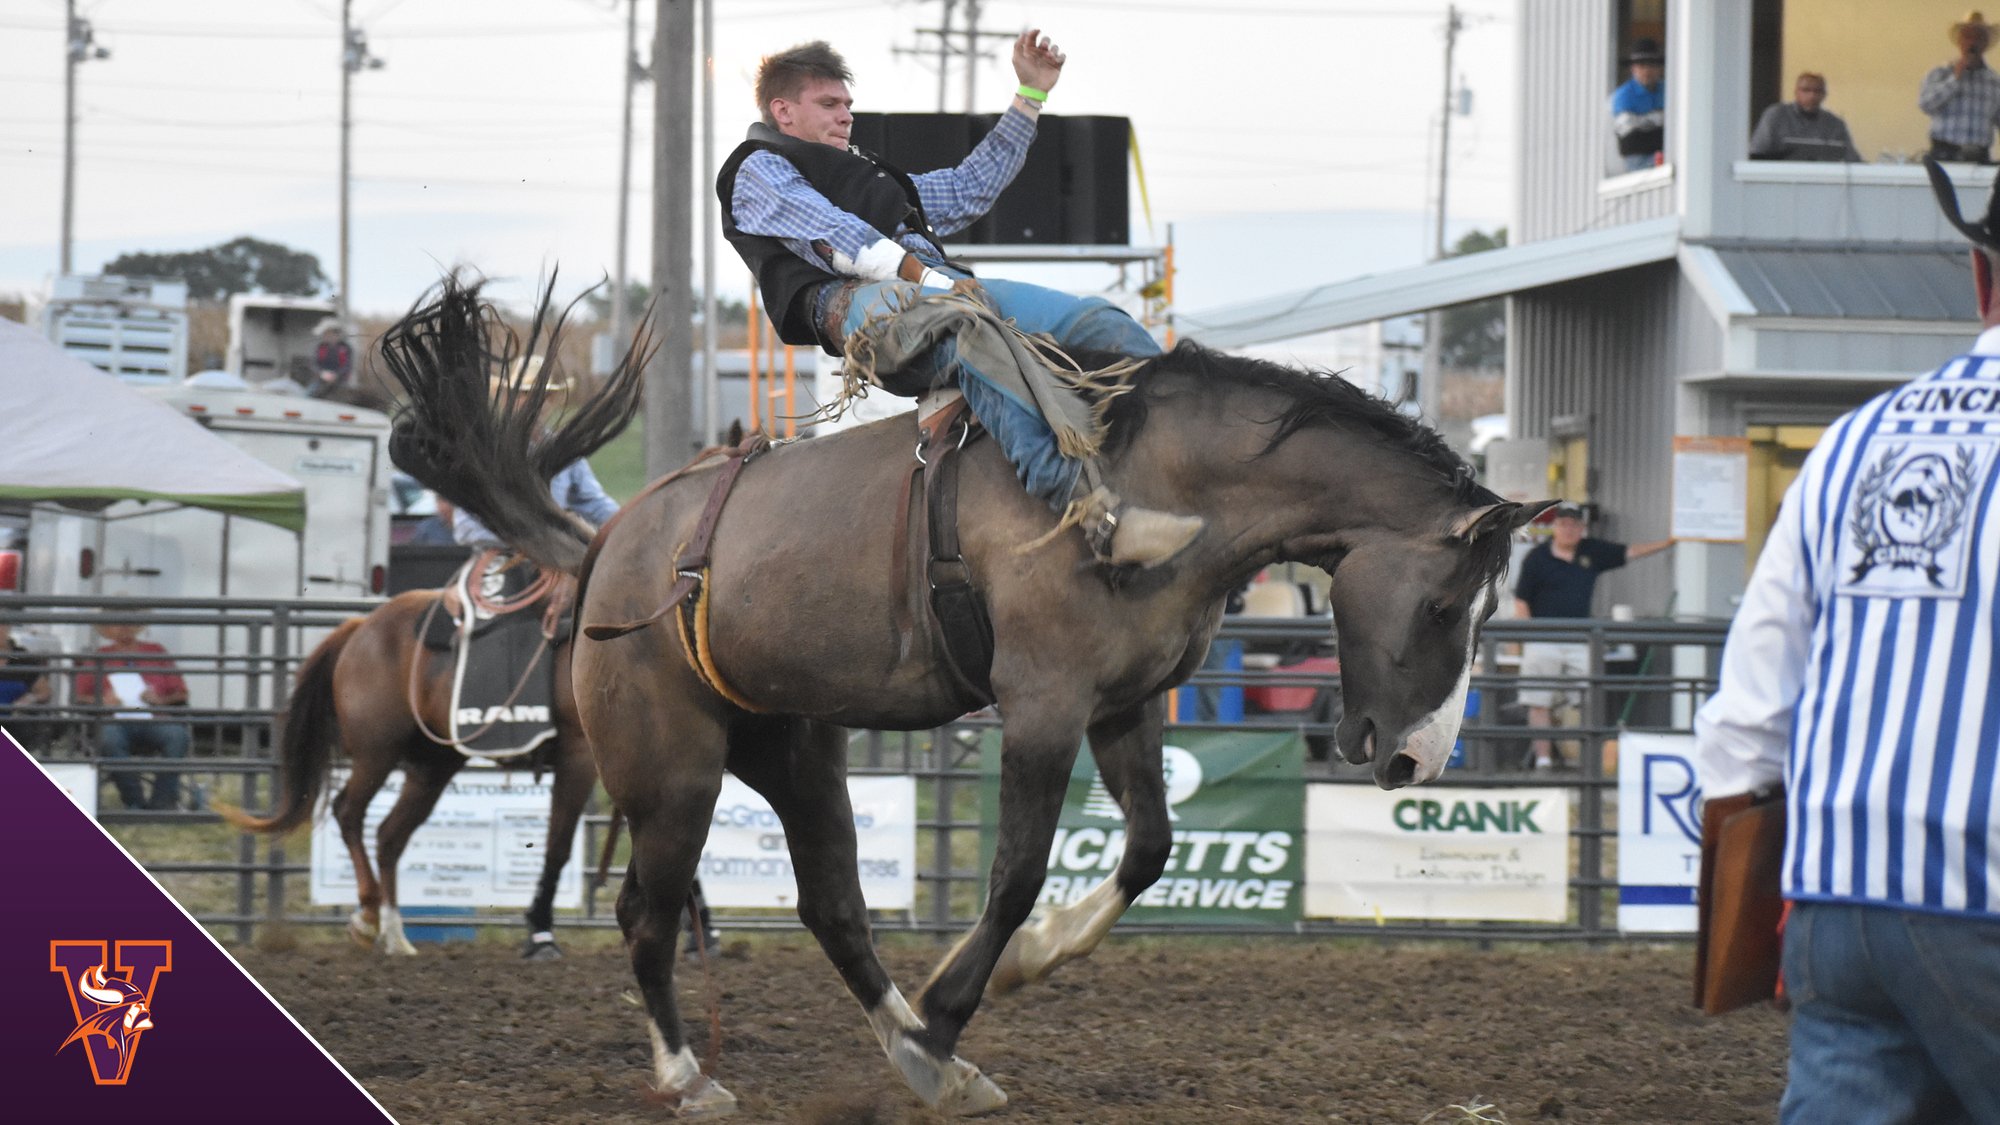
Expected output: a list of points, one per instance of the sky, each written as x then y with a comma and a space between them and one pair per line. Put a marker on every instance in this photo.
1286, 143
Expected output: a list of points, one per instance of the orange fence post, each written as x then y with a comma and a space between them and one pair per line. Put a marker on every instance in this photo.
754, 345
791, 396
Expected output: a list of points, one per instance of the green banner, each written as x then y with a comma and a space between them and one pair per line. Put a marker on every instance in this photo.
1238, 805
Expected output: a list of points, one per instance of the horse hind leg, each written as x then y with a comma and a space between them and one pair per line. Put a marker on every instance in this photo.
427, 773
1126, 747
372, 766
800, 767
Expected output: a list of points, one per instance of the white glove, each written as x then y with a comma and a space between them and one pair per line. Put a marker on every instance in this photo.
882, 260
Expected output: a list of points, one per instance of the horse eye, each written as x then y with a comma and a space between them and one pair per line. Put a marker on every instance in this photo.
1436, 611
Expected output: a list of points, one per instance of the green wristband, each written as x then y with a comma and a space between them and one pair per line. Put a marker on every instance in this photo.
1032, 94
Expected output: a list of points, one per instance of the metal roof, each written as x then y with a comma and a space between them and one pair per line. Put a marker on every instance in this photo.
1930, 283
1436, 285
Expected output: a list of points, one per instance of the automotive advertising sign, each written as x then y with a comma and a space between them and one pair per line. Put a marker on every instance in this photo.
1659, 833
482, 846
1235, 803
1492, 855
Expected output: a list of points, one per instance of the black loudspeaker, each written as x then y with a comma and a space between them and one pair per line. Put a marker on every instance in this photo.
1070, 190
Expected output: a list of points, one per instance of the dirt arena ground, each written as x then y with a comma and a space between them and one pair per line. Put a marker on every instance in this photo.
1147, 1030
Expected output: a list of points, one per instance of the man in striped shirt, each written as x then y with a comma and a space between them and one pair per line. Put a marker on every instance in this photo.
1863, 672
837, 238
1962, 96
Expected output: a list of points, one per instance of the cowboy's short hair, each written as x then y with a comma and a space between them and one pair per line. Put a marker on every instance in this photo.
786, 73
1806, 76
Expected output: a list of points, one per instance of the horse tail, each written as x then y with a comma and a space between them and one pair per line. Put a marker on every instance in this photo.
470, 426
309, 733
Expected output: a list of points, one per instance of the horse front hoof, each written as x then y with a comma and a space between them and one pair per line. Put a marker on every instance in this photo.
954, 1088
361, 931
706, 1098
541, 948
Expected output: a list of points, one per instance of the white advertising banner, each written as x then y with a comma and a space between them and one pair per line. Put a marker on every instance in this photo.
746, 862
1495, 855
78, 780
482, 845
1659, 833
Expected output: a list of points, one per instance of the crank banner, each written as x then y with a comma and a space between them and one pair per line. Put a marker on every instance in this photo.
1496, 855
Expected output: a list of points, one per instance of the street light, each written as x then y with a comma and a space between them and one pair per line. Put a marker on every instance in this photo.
80, 47
354, 58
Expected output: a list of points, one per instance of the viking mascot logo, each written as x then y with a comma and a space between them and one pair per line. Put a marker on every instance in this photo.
112, 1010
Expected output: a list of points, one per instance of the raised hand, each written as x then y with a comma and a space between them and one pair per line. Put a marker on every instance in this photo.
1037, 61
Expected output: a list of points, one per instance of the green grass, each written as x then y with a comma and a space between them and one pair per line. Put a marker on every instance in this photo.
621, 465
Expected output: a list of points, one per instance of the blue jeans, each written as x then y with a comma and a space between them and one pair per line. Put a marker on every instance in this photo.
168, 740
1024, 436
1895, 1018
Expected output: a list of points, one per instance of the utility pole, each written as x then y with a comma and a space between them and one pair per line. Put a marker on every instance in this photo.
78, 47
711, 387
354, 58
1430, 389
668, 407
971, 54
621, 333
944, 52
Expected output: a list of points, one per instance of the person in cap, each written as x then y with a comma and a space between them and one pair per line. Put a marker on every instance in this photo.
840, 240
333, 360
1557, 578
1862, 674
1962, 96
1803, 129
1639, 108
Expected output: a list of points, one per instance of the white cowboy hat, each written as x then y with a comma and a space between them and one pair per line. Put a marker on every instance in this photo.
521, 375
325, 326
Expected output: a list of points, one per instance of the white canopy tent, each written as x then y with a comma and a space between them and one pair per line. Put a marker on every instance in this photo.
73, 434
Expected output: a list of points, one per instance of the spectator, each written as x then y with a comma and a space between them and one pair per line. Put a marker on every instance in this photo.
435, 530
136, 679
1557, 579
1639, 108
1801, 130
1860, 671
24, 681
1962, 96
333, 360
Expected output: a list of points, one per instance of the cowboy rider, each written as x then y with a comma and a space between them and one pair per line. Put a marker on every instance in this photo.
837, 238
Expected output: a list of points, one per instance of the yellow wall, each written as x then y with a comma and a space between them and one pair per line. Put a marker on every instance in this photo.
1874, 54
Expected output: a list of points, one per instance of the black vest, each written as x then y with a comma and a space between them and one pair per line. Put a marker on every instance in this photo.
879, 194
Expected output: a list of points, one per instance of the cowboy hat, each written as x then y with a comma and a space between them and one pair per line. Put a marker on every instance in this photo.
522, 374
325, 326
1985, 233
1645, 51
1973, 21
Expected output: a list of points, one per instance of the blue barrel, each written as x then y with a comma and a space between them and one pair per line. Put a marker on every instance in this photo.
433, 932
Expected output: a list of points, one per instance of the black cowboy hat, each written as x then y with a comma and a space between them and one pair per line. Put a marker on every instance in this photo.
1985, 233
1645, 51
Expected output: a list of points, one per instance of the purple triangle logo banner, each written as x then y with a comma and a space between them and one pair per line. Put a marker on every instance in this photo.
117, 1005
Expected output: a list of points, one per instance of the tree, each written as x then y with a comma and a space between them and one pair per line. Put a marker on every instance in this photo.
242, 265
1475, 335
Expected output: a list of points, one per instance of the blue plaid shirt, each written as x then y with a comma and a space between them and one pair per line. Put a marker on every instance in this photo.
1963, 109
772, 199
575, 489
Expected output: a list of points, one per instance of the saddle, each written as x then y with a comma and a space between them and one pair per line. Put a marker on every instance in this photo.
958, 611
507, 618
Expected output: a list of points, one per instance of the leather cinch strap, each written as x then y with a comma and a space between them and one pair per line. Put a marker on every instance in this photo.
691, 567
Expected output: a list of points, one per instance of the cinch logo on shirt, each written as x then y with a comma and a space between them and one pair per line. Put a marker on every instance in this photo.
1944, 400
111, 1012
1909, 531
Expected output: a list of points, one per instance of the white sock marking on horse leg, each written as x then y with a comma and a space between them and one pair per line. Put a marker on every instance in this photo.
392, 940
890, 1016
1063, 934
673, 1071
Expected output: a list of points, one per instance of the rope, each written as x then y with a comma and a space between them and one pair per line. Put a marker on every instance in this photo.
416, 678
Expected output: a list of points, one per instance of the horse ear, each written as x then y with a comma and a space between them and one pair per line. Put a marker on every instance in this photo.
1475, 522
1531, 512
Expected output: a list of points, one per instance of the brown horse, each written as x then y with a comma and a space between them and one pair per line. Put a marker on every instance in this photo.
803, 639
363, 690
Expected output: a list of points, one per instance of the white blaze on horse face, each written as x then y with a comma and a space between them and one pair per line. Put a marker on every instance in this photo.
1431, 739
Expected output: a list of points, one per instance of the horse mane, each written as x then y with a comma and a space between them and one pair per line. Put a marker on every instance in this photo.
1317, 397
